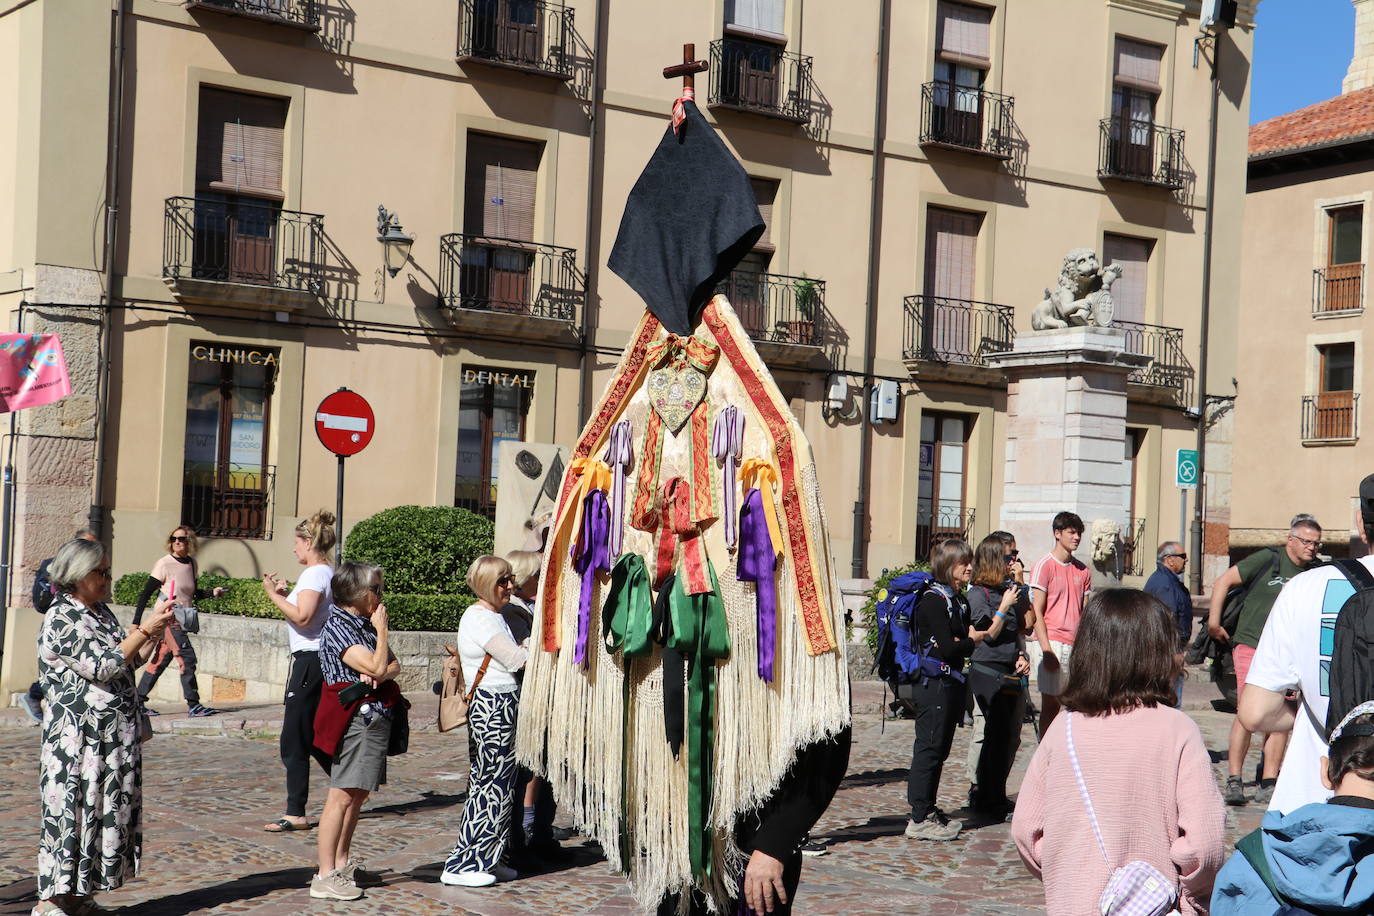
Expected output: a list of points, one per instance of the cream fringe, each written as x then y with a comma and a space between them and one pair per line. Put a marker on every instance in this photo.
572, 722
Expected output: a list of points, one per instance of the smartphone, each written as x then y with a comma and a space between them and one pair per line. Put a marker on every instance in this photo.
353, 693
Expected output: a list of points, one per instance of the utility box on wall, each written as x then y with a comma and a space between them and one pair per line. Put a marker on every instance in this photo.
883, 407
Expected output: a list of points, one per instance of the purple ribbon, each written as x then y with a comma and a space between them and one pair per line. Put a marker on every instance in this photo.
757, 563
727, 442
619, 453
589, 556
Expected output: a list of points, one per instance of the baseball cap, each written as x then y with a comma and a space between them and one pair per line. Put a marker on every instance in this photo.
1363, 709
1367, 499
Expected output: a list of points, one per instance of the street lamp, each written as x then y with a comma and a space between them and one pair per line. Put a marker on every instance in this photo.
395, 243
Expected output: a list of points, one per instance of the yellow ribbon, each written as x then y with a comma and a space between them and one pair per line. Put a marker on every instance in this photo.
759, 472
700, 353
588, 474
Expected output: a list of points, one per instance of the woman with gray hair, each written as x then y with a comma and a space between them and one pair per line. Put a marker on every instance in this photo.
90, 764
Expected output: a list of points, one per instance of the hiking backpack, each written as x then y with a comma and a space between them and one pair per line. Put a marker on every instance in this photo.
1352, 656
902, 655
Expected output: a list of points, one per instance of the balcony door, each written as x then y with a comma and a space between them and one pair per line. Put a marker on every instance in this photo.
1135, 92
941, 480
962, 61
1335, 406
498, 223
1345, 242
947, 327
508, 30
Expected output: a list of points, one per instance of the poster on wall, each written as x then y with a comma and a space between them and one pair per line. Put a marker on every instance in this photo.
33, 371
530, 474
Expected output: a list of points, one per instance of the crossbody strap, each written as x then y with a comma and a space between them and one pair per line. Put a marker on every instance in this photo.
481, 672
1083, 787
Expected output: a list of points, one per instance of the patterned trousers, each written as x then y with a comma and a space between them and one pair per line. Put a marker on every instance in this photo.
486, 813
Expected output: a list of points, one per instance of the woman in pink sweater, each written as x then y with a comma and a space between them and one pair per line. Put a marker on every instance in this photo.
1143, 761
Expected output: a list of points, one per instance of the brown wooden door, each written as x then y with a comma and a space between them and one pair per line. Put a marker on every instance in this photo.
252, 238
520, 29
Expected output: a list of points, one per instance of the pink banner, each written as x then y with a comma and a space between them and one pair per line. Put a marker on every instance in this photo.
32, 371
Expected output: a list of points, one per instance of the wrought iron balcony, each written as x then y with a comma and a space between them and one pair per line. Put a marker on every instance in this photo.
1133, 552
1331, 416
955, 330
1338, 288
505, 275
966, 118
762, 78
939, 522
1170, 369
228, 501
300, 14
529, 35
223, 239
775, 308
1141, 151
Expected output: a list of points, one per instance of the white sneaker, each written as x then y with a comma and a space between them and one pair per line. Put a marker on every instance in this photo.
503, 873
334, 886
467, 878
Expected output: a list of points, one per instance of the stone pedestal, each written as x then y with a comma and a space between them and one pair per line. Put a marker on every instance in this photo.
1066, 432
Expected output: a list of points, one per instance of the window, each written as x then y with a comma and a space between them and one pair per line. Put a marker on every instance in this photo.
962, 59
1337, 372
508, 30
940, 485
238, 186
747, 286
492, 407
498, 215
1135, 90
1344, 251
226, 481
1129, 293
762, 18
1330, 414
951, 251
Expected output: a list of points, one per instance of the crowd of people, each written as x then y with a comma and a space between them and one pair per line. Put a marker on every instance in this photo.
1119, 794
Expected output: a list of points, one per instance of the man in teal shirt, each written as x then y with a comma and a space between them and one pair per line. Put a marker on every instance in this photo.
1263, 574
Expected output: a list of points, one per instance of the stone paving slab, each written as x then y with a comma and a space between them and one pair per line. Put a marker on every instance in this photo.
208, 795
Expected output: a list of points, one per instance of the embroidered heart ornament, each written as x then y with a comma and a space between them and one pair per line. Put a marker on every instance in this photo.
674, 392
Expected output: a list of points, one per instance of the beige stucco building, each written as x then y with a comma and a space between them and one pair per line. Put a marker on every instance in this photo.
923, 167
1300, 442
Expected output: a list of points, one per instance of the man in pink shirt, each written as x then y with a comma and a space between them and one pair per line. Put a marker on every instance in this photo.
1058, 585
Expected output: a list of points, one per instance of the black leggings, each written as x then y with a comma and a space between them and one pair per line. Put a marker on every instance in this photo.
939, 704
298, 729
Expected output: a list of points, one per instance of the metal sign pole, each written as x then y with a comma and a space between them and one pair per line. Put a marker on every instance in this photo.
338, 516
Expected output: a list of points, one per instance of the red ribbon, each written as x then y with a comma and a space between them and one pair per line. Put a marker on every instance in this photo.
679, 110
677, 528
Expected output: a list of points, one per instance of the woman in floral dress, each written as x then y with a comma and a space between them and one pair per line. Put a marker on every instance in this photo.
90, 779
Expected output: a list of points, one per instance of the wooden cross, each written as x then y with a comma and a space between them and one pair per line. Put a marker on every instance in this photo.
688, 69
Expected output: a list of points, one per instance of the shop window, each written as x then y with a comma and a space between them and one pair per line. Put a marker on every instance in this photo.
227, 483
941, 510
493, 407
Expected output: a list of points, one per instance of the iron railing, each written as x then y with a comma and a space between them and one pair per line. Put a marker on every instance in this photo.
761, 77
297, 12
1331, 415
966, 117
775, 307
1133, 149
1169, 368
1338, 288
955, 330
506, 275
1133, 551
935, 523
243, 240
476, 495
229, 501
525, 34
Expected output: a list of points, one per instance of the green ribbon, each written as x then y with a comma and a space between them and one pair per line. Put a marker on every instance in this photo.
626, 618
700, 633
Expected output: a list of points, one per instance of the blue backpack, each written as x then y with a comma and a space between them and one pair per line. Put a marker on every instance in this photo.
903, 656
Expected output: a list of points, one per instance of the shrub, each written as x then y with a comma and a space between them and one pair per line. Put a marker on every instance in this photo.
868, 614
425, 550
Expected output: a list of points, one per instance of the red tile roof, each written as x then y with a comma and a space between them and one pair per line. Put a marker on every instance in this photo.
1346, 117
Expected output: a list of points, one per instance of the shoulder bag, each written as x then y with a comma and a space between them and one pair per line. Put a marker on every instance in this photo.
1136, 888
453, 701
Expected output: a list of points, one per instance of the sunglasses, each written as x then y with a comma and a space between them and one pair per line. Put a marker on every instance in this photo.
181, 537
1015, 554
1177, 556
506, 580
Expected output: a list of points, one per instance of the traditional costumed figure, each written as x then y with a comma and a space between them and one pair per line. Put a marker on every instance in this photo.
687, 694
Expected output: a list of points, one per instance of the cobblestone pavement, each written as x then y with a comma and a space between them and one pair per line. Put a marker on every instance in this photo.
207, 797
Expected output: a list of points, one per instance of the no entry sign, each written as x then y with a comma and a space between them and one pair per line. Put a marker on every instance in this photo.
344, 423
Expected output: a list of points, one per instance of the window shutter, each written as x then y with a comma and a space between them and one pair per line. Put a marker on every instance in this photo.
1129, 292
500, 187
239, 143
951, 250
963, 33
1138, 64
765, 192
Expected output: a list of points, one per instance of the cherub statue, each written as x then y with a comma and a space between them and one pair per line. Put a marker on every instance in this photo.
1083, 295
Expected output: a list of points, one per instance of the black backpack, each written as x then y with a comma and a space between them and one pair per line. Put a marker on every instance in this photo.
1352, 656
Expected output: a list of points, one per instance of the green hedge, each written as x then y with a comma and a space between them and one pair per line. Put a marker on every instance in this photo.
425, 550
245, 598
868, 614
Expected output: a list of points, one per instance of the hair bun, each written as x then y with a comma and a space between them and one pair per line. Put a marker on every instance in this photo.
324, 517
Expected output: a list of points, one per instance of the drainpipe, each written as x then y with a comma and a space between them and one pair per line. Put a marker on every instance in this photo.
115, 132
584, 377
859, 554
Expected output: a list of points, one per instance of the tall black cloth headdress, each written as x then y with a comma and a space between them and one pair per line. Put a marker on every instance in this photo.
689, 220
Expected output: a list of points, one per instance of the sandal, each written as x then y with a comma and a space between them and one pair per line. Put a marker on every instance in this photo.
282, 825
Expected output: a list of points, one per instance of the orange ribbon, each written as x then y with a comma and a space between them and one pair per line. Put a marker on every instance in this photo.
584, 475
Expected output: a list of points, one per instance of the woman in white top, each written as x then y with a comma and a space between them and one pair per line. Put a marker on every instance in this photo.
484, 633
306, 608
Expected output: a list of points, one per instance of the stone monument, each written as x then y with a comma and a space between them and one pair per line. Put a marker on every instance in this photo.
1066, 409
